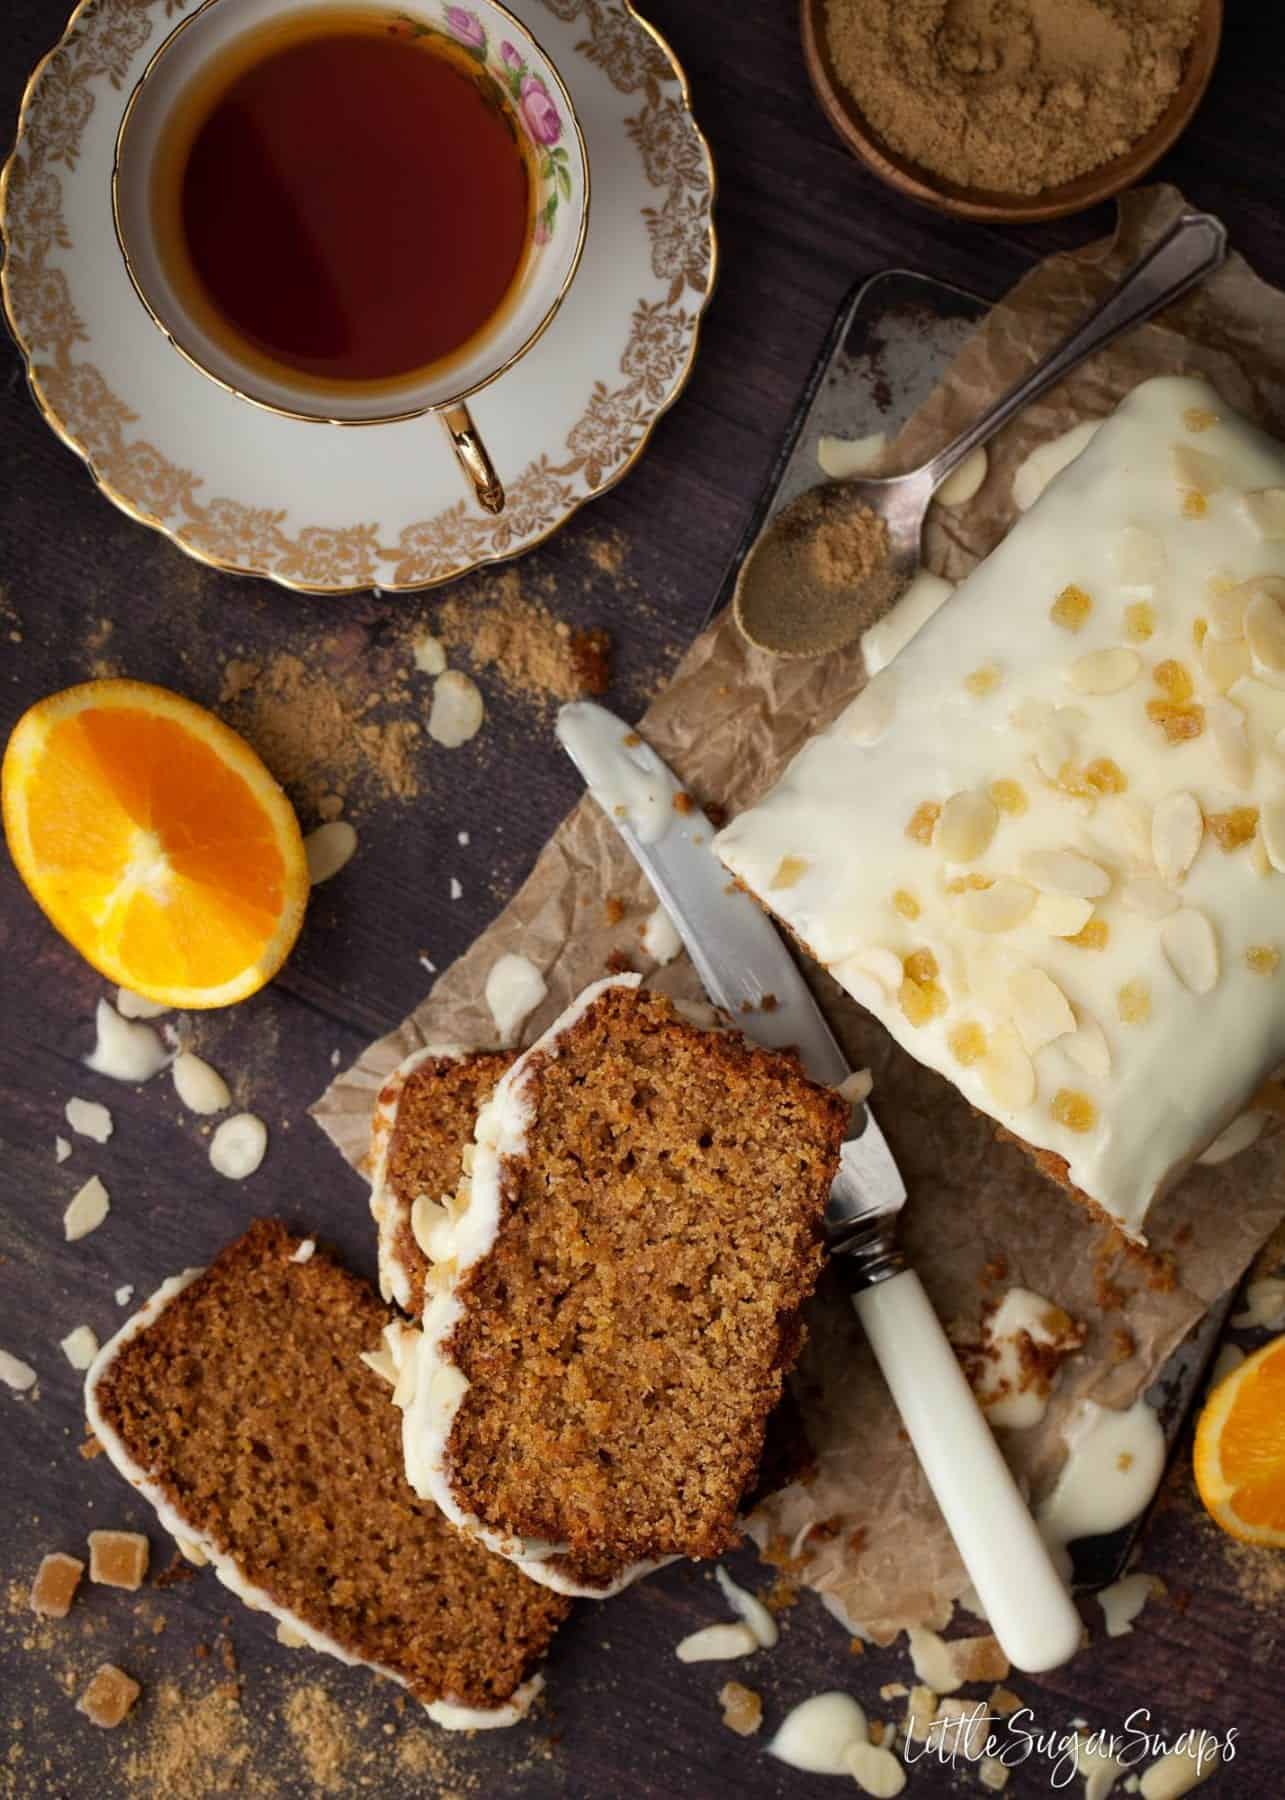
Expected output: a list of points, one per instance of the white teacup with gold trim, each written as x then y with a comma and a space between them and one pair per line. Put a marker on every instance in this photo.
349, 214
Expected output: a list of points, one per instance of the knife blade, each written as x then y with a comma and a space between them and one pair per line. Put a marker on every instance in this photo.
741, 958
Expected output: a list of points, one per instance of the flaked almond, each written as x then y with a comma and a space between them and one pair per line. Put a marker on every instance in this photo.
1265, 510
1196, 470
1040, 1010
1191, 948
1225, 610
1271, 828
1032, 715
200, 1088
1227, 730
1149, 896
1141, 562
1066, 872
965, 827
1061, 915
1007, 1071
457, 711
1265, 630
88, 1208
1088, 1048
1105, 671
328, 848
882, 966
1224, 661
1055, 747
1177, 826
999, 907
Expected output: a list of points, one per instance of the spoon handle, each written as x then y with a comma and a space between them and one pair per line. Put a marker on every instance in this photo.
1193, 247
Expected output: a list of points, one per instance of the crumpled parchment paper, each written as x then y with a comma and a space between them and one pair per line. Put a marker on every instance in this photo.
864, 1528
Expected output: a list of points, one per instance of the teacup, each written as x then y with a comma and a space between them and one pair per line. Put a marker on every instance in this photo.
190, 133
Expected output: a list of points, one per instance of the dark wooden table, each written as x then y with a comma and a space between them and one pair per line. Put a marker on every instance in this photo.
799, 221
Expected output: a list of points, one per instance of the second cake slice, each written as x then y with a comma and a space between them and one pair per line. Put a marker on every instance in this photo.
617, 1293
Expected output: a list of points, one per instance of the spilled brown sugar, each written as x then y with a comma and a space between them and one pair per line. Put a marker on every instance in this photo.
499, 624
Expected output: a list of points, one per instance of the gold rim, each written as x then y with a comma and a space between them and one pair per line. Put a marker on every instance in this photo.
311, 418
339, 591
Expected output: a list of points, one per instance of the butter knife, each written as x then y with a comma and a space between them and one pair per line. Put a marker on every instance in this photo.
748, 972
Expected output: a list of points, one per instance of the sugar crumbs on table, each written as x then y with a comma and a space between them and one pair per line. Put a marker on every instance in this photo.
338, 722
499, 624
1011, 95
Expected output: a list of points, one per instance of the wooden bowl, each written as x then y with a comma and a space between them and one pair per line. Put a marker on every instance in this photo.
983, 203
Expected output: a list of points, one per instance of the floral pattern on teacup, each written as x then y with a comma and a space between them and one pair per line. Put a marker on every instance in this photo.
508, 80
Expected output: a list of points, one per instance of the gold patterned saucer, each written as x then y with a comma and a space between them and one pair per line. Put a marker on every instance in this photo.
314, 507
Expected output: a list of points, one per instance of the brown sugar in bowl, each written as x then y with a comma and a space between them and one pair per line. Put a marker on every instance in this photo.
1087, 190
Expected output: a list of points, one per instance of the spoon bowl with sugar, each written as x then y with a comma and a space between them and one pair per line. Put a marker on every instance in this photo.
842, 552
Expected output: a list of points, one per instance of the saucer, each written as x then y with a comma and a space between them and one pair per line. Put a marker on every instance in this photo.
328, 509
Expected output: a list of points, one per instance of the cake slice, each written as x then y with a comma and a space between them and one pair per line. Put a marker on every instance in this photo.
237, 1401
1046, 845
423, 1119
616, 1291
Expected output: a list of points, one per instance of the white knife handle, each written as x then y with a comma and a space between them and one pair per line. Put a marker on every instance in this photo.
1025, 1599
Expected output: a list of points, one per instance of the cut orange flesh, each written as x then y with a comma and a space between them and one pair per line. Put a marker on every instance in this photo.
155, 840
1240, 1449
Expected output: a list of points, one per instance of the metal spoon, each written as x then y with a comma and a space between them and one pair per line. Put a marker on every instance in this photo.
821, 615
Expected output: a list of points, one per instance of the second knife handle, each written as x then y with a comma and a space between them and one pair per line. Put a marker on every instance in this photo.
1023, 1596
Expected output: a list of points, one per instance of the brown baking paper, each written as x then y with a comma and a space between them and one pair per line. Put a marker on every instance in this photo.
866, 1530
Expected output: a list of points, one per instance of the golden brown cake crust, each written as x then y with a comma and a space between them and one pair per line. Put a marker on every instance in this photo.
245, 1401
627, 1335
436, 1104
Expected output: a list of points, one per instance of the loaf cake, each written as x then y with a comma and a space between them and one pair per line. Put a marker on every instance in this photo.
615, 1294
1045, 846
423, 1118
238, 1403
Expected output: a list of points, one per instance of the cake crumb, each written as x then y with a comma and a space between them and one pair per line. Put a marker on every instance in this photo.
742, 1708
118, 1558
54, 1588
109, 1697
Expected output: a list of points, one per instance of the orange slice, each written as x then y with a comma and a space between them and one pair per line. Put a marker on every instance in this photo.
155, 840
1240, 1449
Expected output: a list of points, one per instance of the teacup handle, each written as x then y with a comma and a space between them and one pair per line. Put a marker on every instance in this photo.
471, 454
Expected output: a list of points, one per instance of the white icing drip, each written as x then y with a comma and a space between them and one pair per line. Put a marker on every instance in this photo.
919, 735
1000, 1393
125, 1050
514, 988
622, 786
660, 939
201, 1549
888, 636
394, 1281
1048, 460
1113, 1466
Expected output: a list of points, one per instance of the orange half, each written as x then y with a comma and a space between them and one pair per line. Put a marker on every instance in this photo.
155, 840
1240, 1449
